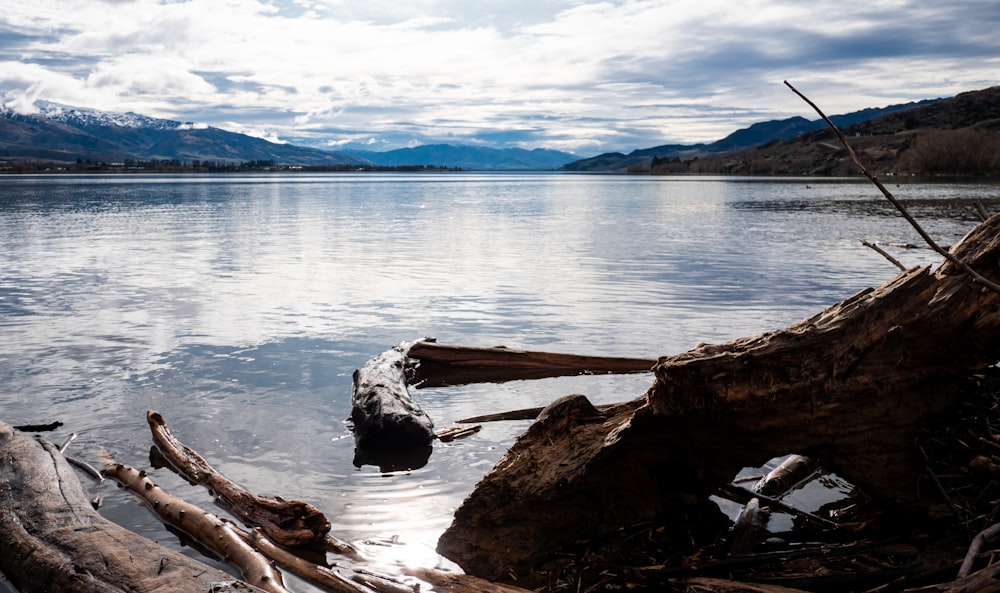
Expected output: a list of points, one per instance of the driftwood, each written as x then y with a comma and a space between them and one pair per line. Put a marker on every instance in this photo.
847, 385
394, 433
447, 364
387, 422
209, 530
54, 542
289, 522
386, 419
250, 551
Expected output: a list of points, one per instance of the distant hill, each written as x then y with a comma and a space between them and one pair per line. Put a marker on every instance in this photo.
955, 136
476, 158
65, 134
755, 135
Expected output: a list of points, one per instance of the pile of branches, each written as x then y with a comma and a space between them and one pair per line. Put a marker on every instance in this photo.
54, 541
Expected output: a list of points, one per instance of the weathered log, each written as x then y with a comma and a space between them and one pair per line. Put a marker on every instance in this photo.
207, 529
54, 542
446, 364
847, 385
291, 523
385, 417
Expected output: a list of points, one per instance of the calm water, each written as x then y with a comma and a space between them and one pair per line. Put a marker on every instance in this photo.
238, 307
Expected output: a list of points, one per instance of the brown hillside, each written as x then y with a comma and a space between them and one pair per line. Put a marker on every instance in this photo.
957, 136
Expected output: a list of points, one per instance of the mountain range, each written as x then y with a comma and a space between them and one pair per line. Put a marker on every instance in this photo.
755, 135
958, 135
479, 158
60, 133
65, 134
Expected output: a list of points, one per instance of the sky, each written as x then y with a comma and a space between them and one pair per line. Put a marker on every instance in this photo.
582, 77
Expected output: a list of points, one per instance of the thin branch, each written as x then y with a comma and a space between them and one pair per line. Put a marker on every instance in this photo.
988, 534
884, 254
976, 276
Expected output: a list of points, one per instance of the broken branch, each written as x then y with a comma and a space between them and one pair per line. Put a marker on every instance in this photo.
291, 523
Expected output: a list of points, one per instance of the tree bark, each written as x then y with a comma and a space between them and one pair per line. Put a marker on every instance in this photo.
53, 541
847, 385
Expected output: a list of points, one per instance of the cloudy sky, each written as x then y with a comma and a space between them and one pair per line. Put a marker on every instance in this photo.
584, 77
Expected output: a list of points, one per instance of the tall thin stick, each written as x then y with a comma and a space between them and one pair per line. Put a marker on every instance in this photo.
976, 276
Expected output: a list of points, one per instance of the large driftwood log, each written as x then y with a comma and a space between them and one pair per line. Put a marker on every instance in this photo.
385, 417
289, 522
847, 385
53, 541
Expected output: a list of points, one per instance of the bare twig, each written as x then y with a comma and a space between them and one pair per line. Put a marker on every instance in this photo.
65, 445
988, 534
974, 275
884, 254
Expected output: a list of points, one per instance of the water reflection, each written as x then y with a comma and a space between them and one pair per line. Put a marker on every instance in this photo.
239, 306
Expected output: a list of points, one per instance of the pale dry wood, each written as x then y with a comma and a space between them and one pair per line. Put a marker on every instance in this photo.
206, 528
320, 575
53, 541
291, 523
987, 535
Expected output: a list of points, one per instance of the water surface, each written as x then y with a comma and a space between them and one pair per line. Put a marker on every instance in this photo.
238, 306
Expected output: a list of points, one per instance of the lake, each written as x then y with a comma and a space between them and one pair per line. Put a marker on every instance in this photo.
238, 307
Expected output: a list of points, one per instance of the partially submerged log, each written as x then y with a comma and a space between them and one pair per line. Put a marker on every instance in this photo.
848, 385
291, 523
54, 542
385, 417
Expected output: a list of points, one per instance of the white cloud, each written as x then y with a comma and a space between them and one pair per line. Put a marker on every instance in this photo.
586, 76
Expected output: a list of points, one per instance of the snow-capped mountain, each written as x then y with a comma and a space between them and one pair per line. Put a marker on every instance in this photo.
84, 117
51, 131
